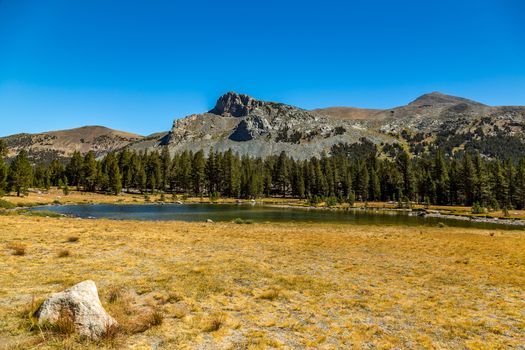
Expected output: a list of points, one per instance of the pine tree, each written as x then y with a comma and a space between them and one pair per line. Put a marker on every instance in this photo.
268, 166
3, 167
230, 173
65, 187
89, 172
198, 174
361, 181
56, 172
21, 173
468, 181
298, 180
440, 177
113, 173
320, 185
184, 172
141, 179
165, 161
510, 179
41, 177
74, 169
154, 171
281, 174
212, 171
409, 181
125, 161
520, 185
482, 191
454, 183
326, 168
498, 185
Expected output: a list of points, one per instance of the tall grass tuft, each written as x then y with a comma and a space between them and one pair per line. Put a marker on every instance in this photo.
18, 249
64, 253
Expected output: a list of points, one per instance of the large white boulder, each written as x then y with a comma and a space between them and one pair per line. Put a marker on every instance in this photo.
81, 305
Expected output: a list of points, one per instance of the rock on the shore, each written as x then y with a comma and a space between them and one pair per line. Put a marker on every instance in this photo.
82, 306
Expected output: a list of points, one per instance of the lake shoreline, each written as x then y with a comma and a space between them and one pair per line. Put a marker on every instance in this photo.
435, 214
422, 213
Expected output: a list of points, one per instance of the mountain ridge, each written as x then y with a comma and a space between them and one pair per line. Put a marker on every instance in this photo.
261, 128
47, 145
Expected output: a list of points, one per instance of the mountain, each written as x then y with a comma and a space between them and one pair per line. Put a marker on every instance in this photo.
61, 144
260, 128
449, 123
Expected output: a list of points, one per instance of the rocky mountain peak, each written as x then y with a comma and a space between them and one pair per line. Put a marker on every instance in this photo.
438, 98
233, 104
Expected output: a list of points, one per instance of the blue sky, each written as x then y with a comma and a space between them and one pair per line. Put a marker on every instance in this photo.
137, 65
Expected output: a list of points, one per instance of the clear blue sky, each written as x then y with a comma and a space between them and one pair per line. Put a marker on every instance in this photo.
137, 65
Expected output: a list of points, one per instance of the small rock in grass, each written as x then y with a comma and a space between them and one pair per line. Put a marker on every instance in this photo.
81, 305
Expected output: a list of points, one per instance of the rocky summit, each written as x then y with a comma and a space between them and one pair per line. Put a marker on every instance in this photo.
260, 128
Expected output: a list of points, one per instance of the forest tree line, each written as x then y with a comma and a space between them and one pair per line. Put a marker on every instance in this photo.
342, 177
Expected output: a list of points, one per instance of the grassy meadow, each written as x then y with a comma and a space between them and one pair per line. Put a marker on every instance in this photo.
176, 285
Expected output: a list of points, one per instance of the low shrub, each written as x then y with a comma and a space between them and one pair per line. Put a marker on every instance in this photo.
331, 201
214, 196
240, 221
478, 209
144, 321
212, 323
269, 294
314, 200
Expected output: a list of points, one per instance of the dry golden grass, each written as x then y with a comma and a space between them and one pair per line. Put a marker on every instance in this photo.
182, 285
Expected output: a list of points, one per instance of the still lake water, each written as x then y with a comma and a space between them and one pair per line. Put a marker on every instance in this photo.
257, 213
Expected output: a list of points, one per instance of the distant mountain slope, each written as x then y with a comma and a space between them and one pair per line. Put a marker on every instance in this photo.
62, 143
350, 113
450, 123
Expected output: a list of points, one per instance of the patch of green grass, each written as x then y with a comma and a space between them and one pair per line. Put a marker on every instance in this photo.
6, 205
240, 221
43, 213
